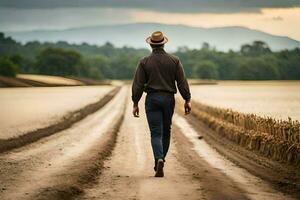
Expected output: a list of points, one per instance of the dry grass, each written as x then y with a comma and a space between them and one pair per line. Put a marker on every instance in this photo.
276, 139
202, 82
12, 82
51, 80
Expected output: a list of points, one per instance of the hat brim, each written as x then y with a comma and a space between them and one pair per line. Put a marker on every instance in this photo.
148, 40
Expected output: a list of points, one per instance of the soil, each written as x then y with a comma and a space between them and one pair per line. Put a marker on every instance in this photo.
282, 177
108, 155
64, 123
12, 82
129, 173
57, 167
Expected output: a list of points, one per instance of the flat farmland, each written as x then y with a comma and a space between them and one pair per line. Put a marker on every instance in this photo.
277, 99
27, 109
107, 153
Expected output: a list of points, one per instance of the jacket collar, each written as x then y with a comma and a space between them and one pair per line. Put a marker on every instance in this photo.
158, 50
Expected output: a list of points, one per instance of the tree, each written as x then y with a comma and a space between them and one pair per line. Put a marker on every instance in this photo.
206, 70
123, 66
253, 61
94, 73
205, 46
102, 64
228, 64
7, 67
289, 64
257, 69
55, 61
16, 59
255, 49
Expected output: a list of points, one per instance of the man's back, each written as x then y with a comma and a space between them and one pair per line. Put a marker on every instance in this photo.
158, 73
160, 69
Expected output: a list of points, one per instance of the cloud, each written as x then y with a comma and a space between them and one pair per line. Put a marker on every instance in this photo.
60, 18
181, 6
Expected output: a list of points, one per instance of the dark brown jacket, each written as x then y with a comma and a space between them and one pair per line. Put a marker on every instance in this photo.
158, 73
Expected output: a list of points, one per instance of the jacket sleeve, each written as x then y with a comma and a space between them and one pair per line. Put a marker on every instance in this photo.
182, 83
139, 81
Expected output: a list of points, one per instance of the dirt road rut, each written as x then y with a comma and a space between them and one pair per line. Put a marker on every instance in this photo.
129, 172
73, 164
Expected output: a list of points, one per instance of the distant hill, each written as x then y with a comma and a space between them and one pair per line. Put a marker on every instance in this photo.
133, 35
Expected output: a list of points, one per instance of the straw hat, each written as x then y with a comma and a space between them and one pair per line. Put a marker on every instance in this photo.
157, 38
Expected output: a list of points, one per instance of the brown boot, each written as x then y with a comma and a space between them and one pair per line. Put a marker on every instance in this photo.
160, 168
155, 165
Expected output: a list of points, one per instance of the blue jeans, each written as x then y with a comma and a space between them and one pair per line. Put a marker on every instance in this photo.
159, 110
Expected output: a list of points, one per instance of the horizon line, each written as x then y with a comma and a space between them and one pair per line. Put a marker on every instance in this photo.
155, 23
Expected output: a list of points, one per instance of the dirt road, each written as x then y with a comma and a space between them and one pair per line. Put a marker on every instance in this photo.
70, 165
129, 172
57, 166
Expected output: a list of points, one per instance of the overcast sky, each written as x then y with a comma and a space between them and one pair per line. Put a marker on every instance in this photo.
279, 17
216, 6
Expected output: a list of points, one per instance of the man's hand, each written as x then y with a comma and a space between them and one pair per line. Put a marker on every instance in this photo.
135, 111
187, 107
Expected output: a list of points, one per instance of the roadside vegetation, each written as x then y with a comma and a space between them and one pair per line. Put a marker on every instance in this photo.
8, 67
276, 139
254, 61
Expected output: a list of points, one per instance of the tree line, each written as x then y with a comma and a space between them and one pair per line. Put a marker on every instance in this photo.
254, 61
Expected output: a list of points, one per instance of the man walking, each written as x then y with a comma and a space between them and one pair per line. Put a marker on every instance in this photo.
156, 74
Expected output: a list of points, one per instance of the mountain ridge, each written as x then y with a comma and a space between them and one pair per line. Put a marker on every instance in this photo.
133, 35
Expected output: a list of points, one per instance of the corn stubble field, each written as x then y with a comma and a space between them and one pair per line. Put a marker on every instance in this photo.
277, 139
269, 135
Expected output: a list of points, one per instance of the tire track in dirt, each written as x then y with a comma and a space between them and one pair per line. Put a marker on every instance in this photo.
129, 172
280, 176
57, 167
253, 187
66, 122
66, 165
